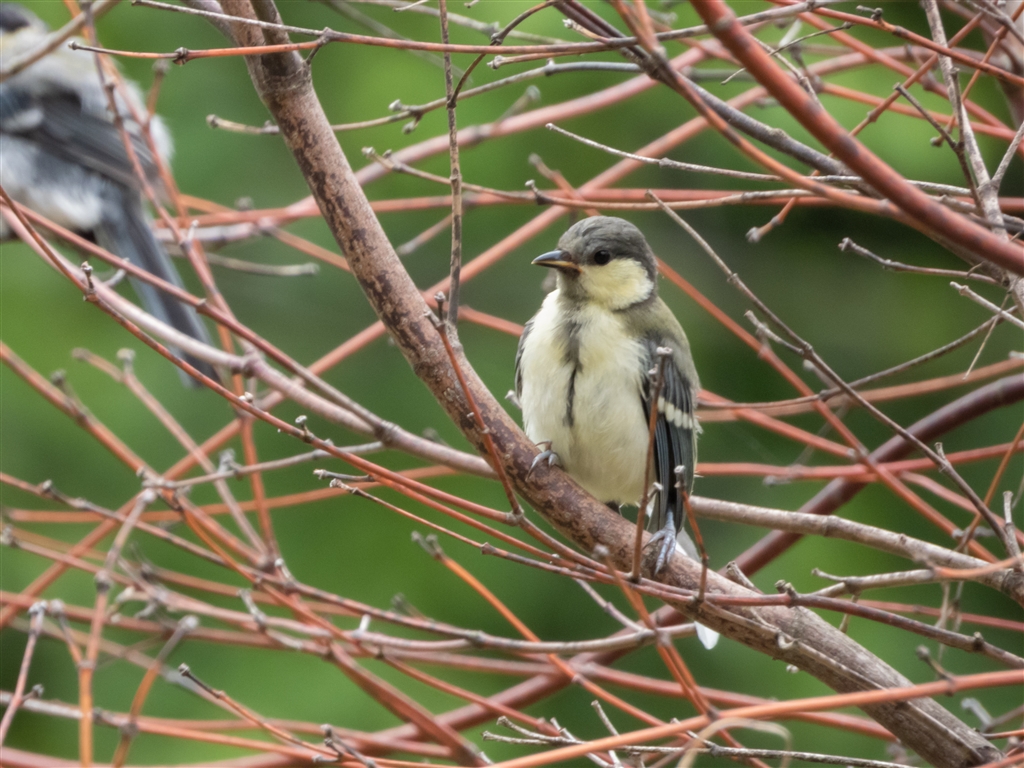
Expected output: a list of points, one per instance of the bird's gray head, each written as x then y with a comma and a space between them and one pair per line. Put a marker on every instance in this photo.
20, 31
14, 17
604, 260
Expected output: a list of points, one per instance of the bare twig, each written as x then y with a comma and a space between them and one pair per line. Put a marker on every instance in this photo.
37, 612
1002, 314
988, 199
1004, 164
846, 244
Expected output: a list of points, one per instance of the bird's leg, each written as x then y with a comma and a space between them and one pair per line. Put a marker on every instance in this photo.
546, 455
665, 540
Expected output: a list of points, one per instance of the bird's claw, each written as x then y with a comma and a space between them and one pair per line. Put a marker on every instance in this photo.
546, 455
665, 541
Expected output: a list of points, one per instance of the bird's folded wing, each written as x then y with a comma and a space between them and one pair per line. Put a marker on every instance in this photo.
56, 123
675, 430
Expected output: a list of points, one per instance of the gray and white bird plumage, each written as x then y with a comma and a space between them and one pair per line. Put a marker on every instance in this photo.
584, 369
62, 155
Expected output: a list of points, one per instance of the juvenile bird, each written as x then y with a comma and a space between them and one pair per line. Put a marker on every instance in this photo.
62, 155
584, 371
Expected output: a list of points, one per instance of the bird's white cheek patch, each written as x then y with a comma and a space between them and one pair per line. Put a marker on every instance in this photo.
618, 284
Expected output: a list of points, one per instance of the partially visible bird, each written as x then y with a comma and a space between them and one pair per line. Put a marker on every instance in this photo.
584, 374
62, 155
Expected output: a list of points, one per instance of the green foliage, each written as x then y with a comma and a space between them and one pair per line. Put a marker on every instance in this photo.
858, 317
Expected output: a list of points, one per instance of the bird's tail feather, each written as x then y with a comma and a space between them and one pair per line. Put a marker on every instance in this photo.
708, 637
128, 235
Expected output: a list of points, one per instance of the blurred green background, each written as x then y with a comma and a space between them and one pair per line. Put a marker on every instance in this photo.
858, 317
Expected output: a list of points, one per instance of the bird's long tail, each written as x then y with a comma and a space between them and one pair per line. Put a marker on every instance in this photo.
708, 637
128, 235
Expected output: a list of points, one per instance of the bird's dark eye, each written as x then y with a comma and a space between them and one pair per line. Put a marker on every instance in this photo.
602, 257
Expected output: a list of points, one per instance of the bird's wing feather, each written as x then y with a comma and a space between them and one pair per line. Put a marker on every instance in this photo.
62, 129
674, 430
65, 134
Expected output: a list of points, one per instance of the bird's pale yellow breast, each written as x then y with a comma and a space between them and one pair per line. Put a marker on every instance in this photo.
603, 444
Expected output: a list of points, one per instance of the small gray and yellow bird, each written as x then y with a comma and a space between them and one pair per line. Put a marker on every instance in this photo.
62, 155
584, 371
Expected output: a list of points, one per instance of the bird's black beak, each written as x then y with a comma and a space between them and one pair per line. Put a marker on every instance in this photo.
558, 260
